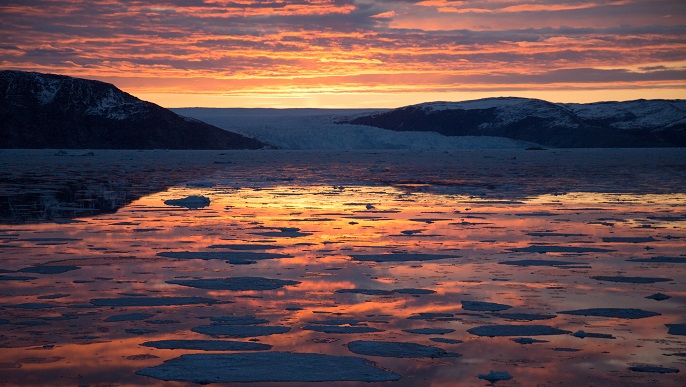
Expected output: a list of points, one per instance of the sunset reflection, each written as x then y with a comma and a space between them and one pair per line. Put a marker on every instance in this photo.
53, 330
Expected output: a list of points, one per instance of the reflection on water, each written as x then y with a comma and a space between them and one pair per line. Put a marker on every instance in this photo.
322, 248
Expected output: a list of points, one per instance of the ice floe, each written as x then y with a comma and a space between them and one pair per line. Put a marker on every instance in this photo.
191, 202
628, 313
481, 306
208, 345
267, 367
397, 349
653, 369
516, 330
495, 376
151, 301
235, 283
676, 329
633, 280
400, 257
225, 330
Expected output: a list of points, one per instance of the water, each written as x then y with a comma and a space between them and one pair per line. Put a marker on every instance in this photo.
339, 225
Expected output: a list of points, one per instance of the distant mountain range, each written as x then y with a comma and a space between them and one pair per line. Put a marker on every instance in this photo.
640, 123
54, 111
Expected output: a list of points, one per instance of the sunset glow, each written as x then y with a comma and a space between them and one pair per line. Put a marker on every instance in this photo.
354, 53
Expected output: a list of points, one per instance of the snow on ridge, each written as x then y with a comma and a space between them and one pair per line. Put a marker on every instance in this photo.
638, 114
477, 104
48, 89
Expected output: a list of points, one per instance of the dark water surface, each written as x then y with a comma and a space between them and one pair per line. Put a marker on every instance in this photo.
434, 267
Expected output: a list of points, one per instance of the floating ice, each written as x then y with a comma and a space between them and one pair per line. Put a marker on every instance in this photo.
659, 260
481, 306
629, 239
235, 283
232, 257
559, 249
516, 330
208, 345
658, 297
633, 280
16, 278
341, 328
151, 301
223, 330
654, 369
380, 292
494, 376
583, 335
190, 202
238, 320
542, 262
267, 367
629, 313
397, 349
400, 257
528, 340
445, 340
45, 269
429, 331
526, 316
129, 317
676, 329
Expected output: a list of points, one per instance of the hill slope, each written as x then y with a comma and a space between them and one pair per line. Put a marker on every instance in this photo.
640, 123
54, 111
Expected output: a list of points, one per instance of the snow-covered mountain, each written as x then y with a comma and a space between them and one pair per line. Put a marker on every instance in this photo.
54, 111
640, 123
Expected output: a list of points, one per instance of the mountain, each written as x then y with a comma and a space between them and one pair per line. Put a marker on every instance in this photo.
640, 123
55, 111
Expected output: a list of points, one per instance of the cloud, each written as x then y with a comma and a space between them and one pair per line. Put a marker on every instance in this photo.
269, 46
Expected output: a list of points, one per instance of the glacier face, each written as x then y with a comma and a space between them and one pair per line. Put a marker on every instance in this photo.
323, 129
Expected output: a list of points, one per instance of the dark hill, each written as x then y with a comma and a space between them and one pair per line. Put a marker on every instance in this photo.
641, 123
55, 111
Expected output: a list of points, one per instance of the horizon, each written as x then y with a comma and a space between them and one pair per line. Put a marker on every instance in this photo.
338, 54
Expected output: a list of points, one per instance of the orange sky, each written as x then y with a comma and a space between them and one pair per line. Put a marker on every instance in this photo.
354, 53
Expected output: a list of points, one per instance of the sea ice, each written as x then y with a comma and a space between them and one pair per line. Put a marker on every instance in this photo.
223, 330
267, 367
559, 249
526, 316
629, 313
191, 202
400, 257
129, 317
151, 301
659, 260
232, 257
583, 335
235, 283
542, 262
676, 329
516, 330
208, 345
481, 306
45, 269
654, 369
494, 376
429, 331
658, 297
633, 280
397, 349
341, 328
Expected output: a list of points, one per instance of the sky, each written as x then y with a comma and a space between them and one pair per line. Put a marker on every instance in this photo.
354, 53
